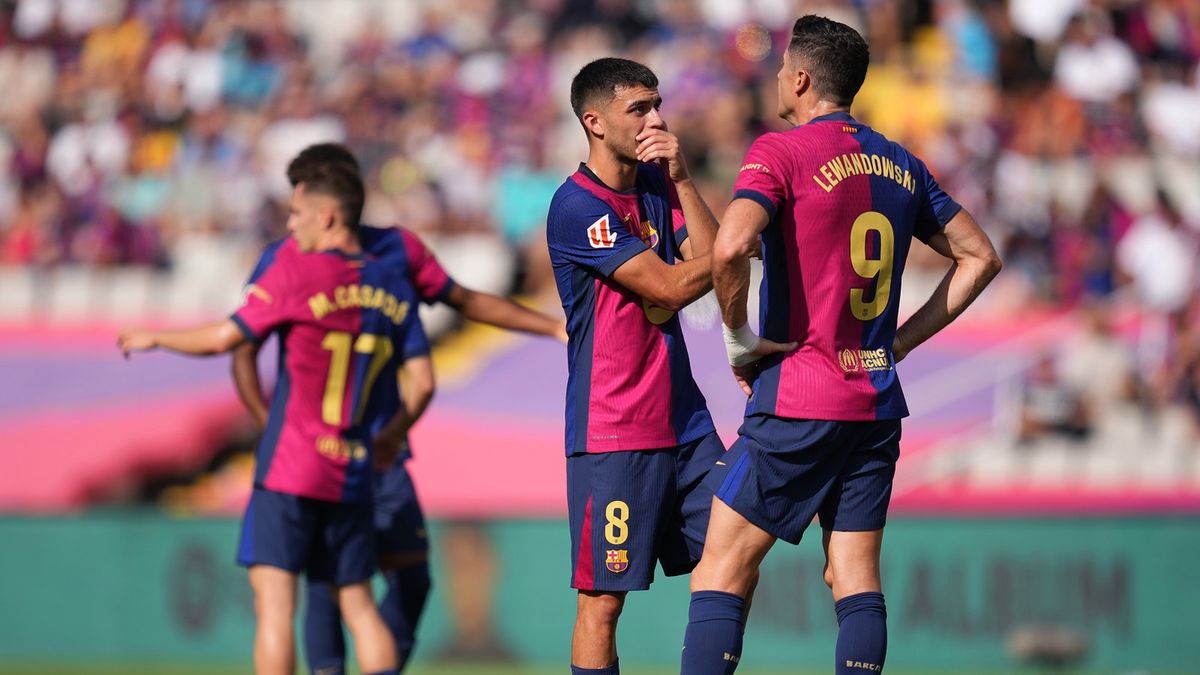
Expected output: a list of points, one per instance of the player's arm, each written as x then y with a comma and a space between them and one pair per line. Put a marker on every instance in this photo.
736, 243
701, 223
416, 388
671, 287
656, 144
975, 265
207, 340
417, 384
245, 379
504, 313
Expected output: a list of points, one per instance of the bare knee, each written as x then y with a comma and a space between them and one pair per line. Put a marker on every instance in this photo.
598, 607
355, 601
852, 563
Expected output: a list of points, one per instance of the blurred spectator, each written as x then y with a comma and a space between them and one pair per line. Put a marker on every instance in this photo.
1099, 365
1051, 406
1160, 256
129, 127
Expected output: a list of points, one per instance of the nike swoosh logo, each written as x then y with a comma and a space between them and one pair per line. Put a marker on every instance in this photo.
720, 463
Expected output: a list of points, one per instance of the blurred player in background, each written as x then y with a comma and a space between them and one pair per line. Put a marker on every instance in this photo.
347, 321
639, 438
403, 548
835, 205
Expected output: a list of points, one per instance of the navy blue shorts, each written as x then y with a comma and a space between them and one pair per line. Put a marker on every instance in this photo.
399, 522
629, 509
781, 472
329, 541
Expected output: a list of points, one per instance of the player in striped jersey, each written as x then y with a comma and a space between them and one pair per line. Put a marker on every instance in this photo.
833, 206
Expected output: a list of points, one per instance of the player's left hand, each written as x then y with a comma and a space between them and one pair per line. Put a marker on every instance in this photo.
386, 449
131, 340
656, 144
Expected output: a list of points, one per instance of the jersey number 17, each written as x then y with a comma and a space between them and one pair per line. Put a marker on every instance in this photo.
379, 347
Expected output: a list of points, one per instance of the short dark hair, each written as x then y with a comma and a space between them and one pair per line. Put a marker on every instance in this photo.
834, 54
331, 169
323, 153
602, 78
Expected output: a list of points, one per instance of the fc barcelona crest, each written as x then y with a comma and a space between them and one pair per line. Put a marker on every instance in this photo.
617, 561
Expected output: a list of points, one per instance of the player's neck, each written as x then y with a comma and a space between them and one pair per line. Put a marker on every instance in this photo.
341, 239
807, 113
613, 172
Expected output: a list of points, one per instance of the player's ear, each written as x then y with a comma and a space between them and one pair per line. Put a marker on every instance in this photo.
593, 123
802, 82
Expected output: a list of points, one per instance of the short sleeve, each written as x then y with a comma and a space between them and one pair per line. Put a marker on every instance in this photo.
763, 176
412, 341
937, 208
272, 300
425, 272
585, 231
268, 257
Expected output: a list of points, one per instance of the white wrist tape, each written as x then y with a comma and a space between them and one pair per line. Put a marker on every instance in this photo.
740, 344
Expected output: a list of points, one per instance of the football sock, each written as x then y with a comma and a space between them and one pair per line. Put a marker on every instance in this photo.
324, 643
862, 634
614, 669
712, 644
407, 590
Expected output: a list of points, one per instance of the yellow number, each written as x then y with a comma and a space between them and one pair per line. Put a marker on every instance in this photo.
335, 384
339, 342
617, 529
380, 348
867, 268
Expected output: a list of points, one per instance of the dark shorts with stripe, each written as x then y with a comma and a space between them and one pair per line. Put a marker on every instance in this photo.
399, 522
329, 541
781, 472
629, 509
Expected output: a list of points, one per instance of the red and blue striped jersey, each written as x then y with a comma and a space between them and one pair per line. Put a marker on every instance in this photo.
845, 203
400, 250
345, 324
629, 381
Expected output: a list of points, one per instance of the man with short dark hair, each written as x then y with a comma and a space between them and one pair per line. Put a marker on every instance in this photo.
402, 544
833, 206
348, 323
630, 240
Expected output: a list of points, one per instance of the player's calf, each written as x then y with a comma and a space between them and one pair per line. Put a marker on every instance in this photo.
594, 643
324, 642
401, 607
372, 640
862, 634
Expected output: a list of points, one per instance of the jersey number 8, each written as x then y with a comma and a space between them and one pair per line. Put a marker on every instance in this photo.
617, 529
879, 268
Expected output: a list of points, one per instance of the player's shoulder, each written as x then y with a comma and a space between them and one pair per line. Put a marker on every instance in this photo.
275, 250
382, 241
389, 276
573, 203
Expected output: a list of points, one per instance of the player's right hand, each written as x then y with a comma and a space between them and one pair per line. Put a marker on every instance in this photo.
131, 340
747, 372
656, 144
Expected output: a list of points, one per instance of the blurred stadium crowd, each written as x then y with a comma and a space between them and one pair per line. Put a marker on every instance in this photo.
138, 133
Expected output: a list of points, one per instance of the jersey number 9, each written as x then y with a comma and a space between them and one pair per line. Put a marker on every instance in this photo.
879, 268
